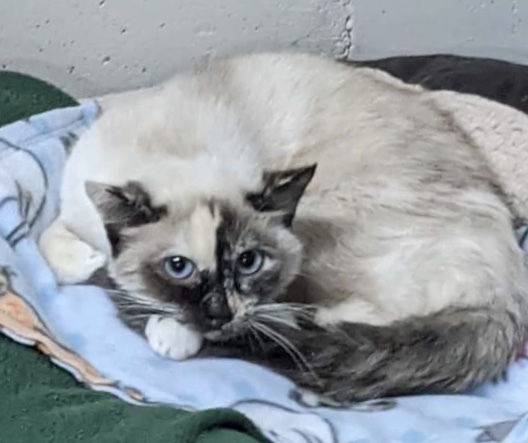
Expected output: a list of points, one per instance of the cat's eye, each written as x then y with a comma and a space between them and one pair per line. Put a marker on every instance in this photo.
250, 262
178, 267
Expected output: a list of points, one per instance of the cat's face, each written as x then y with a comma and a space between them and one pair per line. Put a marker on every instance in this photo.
210, 263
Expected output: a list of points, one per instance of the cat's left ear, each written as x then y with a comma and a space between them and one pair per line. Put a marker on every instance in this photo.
123, 207
282, 191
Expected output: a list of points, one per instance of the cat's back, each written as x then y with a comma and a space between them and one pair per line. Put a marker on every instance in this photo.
361, 126
266, 111
299, 106
267, 105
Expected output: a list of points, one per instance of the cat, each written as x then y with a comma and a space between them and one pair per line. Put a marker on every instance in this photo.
325, 220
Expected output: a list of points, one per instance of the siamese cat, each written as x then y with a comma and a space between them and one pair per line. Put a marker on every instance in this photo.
325, 220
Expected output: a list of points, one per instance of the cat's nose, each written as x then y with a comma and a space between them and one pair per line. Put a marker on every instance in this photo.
217, 310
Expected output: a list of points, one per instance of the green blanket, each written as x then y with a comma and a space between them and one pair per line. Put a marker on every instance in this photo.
40, 403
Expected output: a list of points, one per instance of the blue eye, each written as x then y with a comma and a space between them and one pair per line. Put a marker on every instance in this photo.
179, 268
250, 262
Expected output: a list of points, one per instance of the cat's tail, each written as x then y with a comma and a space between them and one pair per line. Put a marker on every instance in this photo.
448, 352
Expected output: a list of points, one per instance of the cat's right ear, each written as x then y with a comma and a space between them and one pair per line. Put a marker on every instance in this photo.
282, 191
123, 206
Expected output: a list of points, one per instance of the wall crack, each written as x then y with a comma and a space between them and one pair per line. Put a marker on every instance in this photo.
345, 45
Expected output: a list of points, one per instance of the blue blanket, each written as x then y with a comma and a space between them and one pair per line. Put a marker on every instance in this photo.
82, 322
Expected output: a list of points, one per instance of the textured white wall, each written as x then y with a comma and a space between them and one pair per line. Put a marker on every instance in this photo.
494, 28
95, 46
92, 47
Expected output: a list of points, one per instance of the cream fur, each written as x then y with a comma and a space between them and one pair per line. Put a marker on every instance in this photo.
384, 237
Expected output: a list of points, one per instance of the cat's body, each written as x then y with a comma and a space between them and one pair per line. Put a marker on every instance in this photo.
403, 217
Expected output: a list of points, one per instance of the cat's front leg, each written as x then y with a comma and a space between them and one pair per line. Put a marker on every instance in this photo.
71, 259
172, 339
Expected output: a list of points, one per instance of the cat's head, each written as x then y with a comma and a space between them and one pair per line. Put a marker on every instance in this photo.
211, 263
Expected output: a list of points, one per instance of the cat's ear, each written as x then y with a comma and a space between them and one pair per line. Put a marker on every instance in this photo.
123, 206
282, 191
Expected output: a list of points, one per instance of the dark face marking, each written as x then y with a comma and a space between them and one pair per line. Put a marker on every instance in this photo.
123, 207
282, 191
233, 240
216, 309
255, 255
201, 298
220, 299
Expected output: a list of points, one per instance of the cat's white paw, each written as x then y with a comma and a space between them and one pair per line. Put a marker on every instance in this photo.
71, 259
172, 339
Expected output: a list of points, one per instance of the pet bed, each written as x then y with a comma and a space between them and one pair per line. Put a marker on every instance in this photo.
77, 327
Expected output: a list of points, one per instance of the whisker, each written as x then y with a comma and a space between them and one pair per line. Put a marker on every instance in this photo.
297, 311
252, 335
138, 317
270, 335
287, 346
254, 332
290, 306
285, 321
125, 302
154, 305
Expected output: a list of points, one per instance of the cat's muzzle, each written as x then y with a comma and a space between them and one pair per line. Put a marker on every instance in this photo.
216, 310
